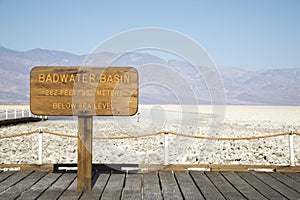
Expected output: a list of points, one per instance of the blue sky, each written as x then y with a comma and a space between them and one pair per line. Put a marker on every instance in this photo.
253, 34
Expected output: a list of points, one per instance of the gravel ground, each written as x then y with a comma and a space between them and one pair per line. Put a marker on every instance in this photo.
239, 121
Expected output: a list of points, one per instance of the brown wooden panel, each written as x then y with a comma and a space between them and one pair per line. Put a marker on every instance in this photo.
84, 91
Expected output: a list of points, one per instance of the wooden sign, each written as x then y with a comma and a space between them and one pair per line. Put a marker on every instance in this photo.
84, 91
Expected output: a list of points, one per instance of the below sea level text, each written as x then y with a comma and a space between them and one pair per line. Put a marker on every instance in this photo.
85, 106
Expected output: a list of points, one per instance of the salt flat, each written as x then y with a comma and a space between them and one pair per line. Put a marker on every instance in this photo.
218, 121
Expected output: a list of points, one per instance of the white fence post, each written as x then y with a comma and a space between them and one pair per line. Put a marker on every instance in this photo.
166, 160
15, 113
22, 112
291, 145
29, 112
6, 113
40, 146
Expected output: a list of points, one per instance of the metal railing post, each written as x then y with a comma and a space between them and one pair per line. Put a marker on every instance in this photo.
40, 146
291, 149
15, 113
166, 160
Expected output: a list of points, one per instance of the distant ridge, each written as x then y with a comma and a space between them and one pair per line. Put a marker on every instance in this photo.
242, 87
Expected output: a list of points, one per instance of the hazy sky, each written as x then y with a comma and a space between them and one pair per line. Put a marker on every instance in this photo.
251, 34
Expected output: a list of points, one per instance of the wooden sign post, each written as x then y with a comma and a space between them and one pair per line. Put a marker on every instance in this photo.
84, 92
84, 167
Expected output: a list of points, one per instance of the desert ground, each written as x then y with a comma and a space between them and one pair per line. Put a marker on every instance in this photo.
209, 121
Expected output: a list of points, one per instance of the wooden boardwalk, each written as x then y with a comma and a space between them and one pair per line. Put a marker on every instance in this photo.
152, 185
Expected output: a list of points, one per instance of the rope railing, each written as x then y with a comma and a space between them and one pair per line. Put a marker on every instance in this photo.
166, 139
59, 134
151, 134
18, 134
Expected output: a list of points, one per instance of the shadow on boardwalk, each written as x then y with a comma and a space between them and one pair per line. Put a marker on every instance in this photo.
151, 185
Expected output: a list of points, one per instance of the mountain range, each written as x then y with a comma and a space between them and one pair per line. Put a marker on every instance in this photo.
161, 81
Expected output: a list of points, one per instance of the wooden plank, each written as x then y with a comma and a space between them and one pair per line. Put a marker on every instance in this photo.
114, 187
71, 192
15, 190
247, 190
224, 186
206, 187
133, 187
85, 134
181, 167
23, 120
260, 186
29, 167
83, 91
59, 186
224, 168
287, 181
151, 189
38, 188
5, 175
170, 189
278, 186
98, 188
187, 186
13, 179
294, 176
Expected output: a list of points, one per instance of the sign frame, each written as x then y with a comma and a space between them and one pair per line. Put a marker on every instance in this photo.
121, 97
83, 91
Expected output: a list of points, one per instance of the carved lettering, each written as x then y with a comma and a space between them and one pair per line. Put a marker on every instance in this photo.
83, 78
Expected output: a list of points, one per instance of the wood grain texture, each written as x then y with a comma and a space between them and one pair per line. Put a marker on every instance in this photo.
151, 185
114, 187
207, 187
40, 187
282, 188
260, 186
187, 186
242, 186
133, 187
85, 130
58, 187
14, 191
84, 91
170, 188
151, 188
